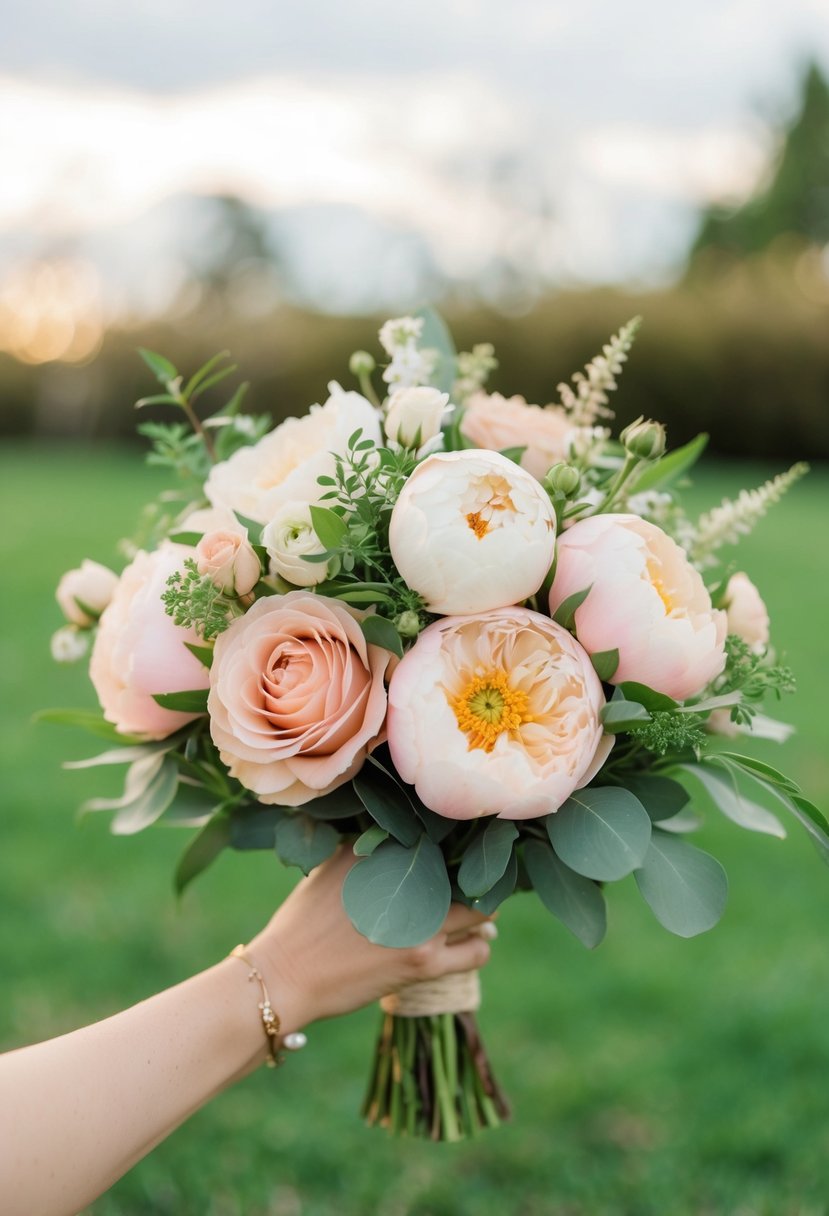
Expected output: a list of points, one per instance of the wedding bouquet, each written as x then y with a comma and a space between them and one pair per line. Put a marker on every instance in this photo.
477, 639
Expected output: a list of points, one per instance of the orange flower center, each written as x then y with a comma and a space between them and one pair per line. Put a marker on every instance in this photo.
490, 494
487, 706
661, 590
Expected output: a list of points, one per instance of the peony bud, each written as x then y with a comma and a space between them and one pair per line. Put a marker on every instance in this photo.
645, 440
361, 364
288, 538
747, 614
227, 557
84, 593
407, 624
414, 415
563, 479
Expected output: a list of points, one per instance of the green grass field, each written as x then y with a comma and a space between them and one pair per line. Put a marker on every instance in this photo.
654, 1077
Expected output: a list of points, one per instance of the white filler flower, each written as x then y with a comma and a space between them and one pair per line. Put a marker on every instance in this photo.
472, 531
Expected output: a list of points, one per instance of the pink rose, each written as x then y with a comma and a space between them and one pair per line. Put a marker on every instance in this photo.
496, 714
747, 614
89, 586
227, 557
296, 696
496, 422
139, 651
646, 600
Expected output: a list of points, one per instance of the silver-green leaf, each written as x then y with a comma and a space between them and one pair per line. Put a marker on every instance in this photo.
399, 896
577, 902
685, 888
601, 833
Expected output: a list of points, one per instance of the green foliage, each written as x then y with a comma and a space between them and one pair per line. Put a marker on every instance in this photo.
487, 857
670, 732
388, 805
195, 602
576, 901
685, 888
600, 832
399, 896
203, 849
671, 467
753, 676
304, 841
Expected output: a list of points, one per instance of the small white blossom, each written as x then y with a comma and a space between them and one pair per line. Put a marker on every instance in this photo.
68, 645
400, 332
409, 367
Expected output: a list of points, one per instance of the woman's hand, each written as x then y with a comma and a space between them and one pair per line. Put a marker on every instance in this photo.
317, 965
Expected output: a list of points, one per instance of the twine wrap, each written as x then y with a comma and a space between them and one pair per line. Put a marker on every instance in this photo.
458, 993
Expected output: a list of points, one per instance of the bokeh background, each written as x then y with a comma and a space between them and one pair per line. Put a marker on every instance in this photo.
275, 180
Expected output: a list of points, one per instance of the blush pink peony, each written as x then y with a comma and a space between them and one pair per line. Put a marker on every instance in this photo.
496, 422
297, 696
139, 651
496, 714
646, 600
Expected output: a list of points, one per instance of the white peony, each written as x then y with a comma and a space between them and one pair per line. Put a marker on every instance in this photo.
472, 531
288, 537
285, 464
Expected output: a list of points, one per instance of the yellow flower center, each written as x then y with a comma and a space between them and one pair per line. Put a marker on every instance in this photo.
478, 525
490, 493
661, 590
487, 706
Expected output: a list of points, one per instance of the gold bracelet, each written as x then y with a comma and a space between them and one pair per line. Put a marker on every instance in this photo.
270, 1018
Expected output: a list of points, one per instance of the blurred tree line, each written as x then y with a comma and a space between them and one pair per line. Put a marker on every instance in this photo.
738, 347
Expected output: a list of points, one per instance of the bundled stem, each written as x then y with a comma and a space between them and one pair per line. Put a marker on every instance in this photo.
432, 1079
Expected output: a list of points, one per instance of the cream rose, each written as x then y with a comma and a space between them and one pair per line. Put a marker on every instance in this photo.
228, 558
496, 714
646, 600
296, 696
472, 531
90, 586
414, 415
288, 538
496, 422
285, 464
138, 650
747, 614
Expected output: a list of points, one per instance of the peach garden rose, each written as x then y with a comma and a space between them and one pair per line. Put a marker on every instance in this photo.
496, 714
646, 600
493, 421
297, 696
747, 615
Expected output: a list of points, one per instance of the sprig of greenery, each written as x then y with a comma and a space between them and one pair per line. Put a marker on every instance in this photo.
753, 675
194, 602
667, 731
360, 495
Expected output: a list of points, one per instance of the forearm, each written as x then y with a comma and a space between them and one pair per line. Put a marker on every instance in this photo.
78, 1111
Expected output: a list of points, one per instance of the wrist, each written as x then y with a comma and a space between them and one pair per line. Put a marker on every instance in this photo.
289, 994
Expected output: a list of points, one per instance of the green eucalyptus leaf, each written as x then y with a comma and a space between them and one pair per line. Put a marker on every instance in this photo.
671, 466
399, 896
576, 901
437, 827
203, 849
193, 701
685, 888
565, 614
388, 805
192, 806
152, 797
503, 888
365, 844
341, 803
379, 631
252, 526
254, 827
600, 833
304, 842
620, 715
435, 336
751, 766
121, 755
723, 791
661, 797
605, 663
649, 697
486, 858
331, 528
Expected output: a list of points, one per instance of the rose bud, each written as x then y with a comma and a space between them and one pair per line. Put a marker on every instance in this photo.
84, 593
227, 557
414, 415
746, 612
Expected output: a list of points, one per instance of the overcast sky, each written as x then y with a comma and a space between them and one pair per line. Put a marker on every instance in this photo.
463, 121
